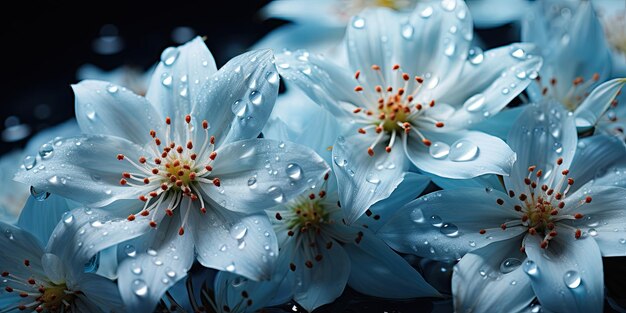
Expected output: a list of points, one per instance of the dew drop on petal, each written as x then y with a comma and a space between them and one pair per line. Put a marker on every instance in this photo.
427, 12
407, 31
417, 216
436, 221
449, 49
509, 265
252, 183
593, 232
170, 273
475, 55
112, 88
169, 56
448, 5
238, 231
530, 267
39, 195
167, 80
239, 108
68, 218
46, 150
340, 161
463, 150
294, 171
518, 53
276, 193
9, 234
439, 150
271, 77
449, 230
475, 103
572, 279
230, 267
358, 22
29, 162
130, 250
53, 180
582, 122
372, 179
140, 288
256, 97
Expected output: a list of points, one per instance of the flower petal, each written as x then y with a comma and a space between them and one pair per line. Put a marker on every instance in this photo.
596, 104
106, 109
85, 169
363, 179
543, 133
162, 258
41, 217
444, 225
485, 16
316, 12
179, 79
319, 38
229, 288
101, 292
599, 158
54, 268
499, 125
569, 273
230, 241
20, 245
470, 154
491, 279
378, 271
239, 98
256, 174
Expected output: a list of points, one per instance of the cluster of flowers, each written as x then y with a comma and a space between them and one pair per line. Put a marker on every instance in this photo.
295, 197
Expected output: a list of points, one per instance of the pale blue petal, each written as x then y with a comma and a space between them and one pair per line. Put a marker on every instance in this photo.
596, 104
106, 109
85, 169
483, 181
100, 292
470, 154
256, 174
495, 13
229, 288
64, 130
569, 275
230, 241
601, 159
130, 77
303, 11
162, 258
316, 38
54, 268
542, 134
500, 124
14, 194
41, 217
378, 271
444, 225
238, 99
362, 179
20, 245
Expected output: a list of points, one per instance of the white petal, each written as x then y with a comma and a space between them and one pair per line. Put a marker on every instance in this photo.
53, 267
41, 217
492, 279
444, 225
238, 99
378, 271
318, 38
543, 133
470, 154
599, 101
106, 109
100, 292
569, 275
256, 174
495, 13
245, 245
64, 130
85, 169
362, 179
499, 125
20, 245
601, 159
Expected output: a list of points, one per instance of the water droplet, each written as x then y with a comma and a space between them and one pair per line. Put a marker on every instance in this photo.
449, 49
239, 108
130, 250
513, 282
439, 150
183, 92
152, 252
96, 224
475, 103
622, 241
276, 193
582, 122
436, 221
294, 171
53, 180
475, 55
241, 245
256, 97
593, 232
169, 56
535, 308
170, 273
521, 74
530, 267
433, 82
68, 218
9, 234
140, 288
463, 150
372, 179
46, 150
238, 231
407, 31
271, 77
472, 243
340, 162
518, 53
112, 88
167, 80
505, 91
252, 183
448, 5
509, 265
29, 162
230, 267
572, 279
358, 22
157, 262
427, 12
449, 230
482, 272
39, 195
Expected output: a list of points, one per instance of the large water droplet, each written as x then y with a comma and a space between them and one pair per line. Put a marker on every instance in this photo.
407, 31
439, 150
238, 231
530, 267
271, 77
463, 150
358, 22
136, 270
230, 267
449, 230
140, 288
167, 80
518, 53
448, 5
256, 97
96, 224
294, 171
170, 273
46, 150
475, 103
372, 179
475, 55
436, 221
276, 193
593, 232
239, 108
417, 216
509, 265
252, 183
39, 195
169, 55
68, 218
340, 161
29, 162
130, 250
53, 180
9, 234
427, 12
572, 279
112, 88
449, 49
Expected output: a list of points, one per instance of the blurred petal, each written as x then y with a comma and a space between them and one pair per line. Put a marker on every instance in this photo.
318, 38
229, 288
499, 125
596, 104
20, 245
318, 12
495, 13
101, 292
601, 159
41, 217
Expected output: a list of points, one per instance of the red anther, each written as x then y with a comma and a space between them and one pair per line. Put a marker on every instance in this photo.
308, 264
154, 194
578, 216
5, 274
146, 180
533, 185
208, 168
419, 79
409, 99
31, 281
565, 172
570, 181
193, 197
370, 151
503, 226
39, 309
378, 88
577, 81
596, 76
532, 231
172, 145
188, 118
395, 67
578, 233
120, 157
176, 163
157, 141
524, 217
181, 231
164, 155
553, 81
511, 193
290, 233
558, 196
144, 213
192, 176
550, 192
561, 205
322, 193
518, 208
155, 171
523, 197
180, 173
539, 173
544, 91
190, 145
588, 199
357, 110
550, 226
205, 124
278, 216
8, 289
152, 133
500, 201
553, 233
143, 198
179, 183
312, 196
532, 168
361, 131
379, 129
212, 155
173, 178
522, 249
527, 181
482, 231
168, 120
400, 91
432, 103
216, 182
142, 160
153, 224
357, 74
439, 124
375, 67
426, 142
326, 176
123, 182
554, 212
559, 161
26, 262
179, 149
23, 294
203, 210
193, 156
292, 267
544, 187
131, 217
212, 140
329, 245
358, 88
389, 89
405, 76
388, 149
544, 244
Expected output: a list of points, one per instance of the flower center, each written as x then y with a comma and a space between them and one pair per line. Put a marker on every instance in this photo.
56, 296
174, 172
397, 111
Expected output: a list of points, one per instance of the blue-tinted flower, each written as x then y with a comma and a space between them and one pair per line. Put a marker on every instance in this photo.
180, 169
413, 88
130, 77
543, 237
